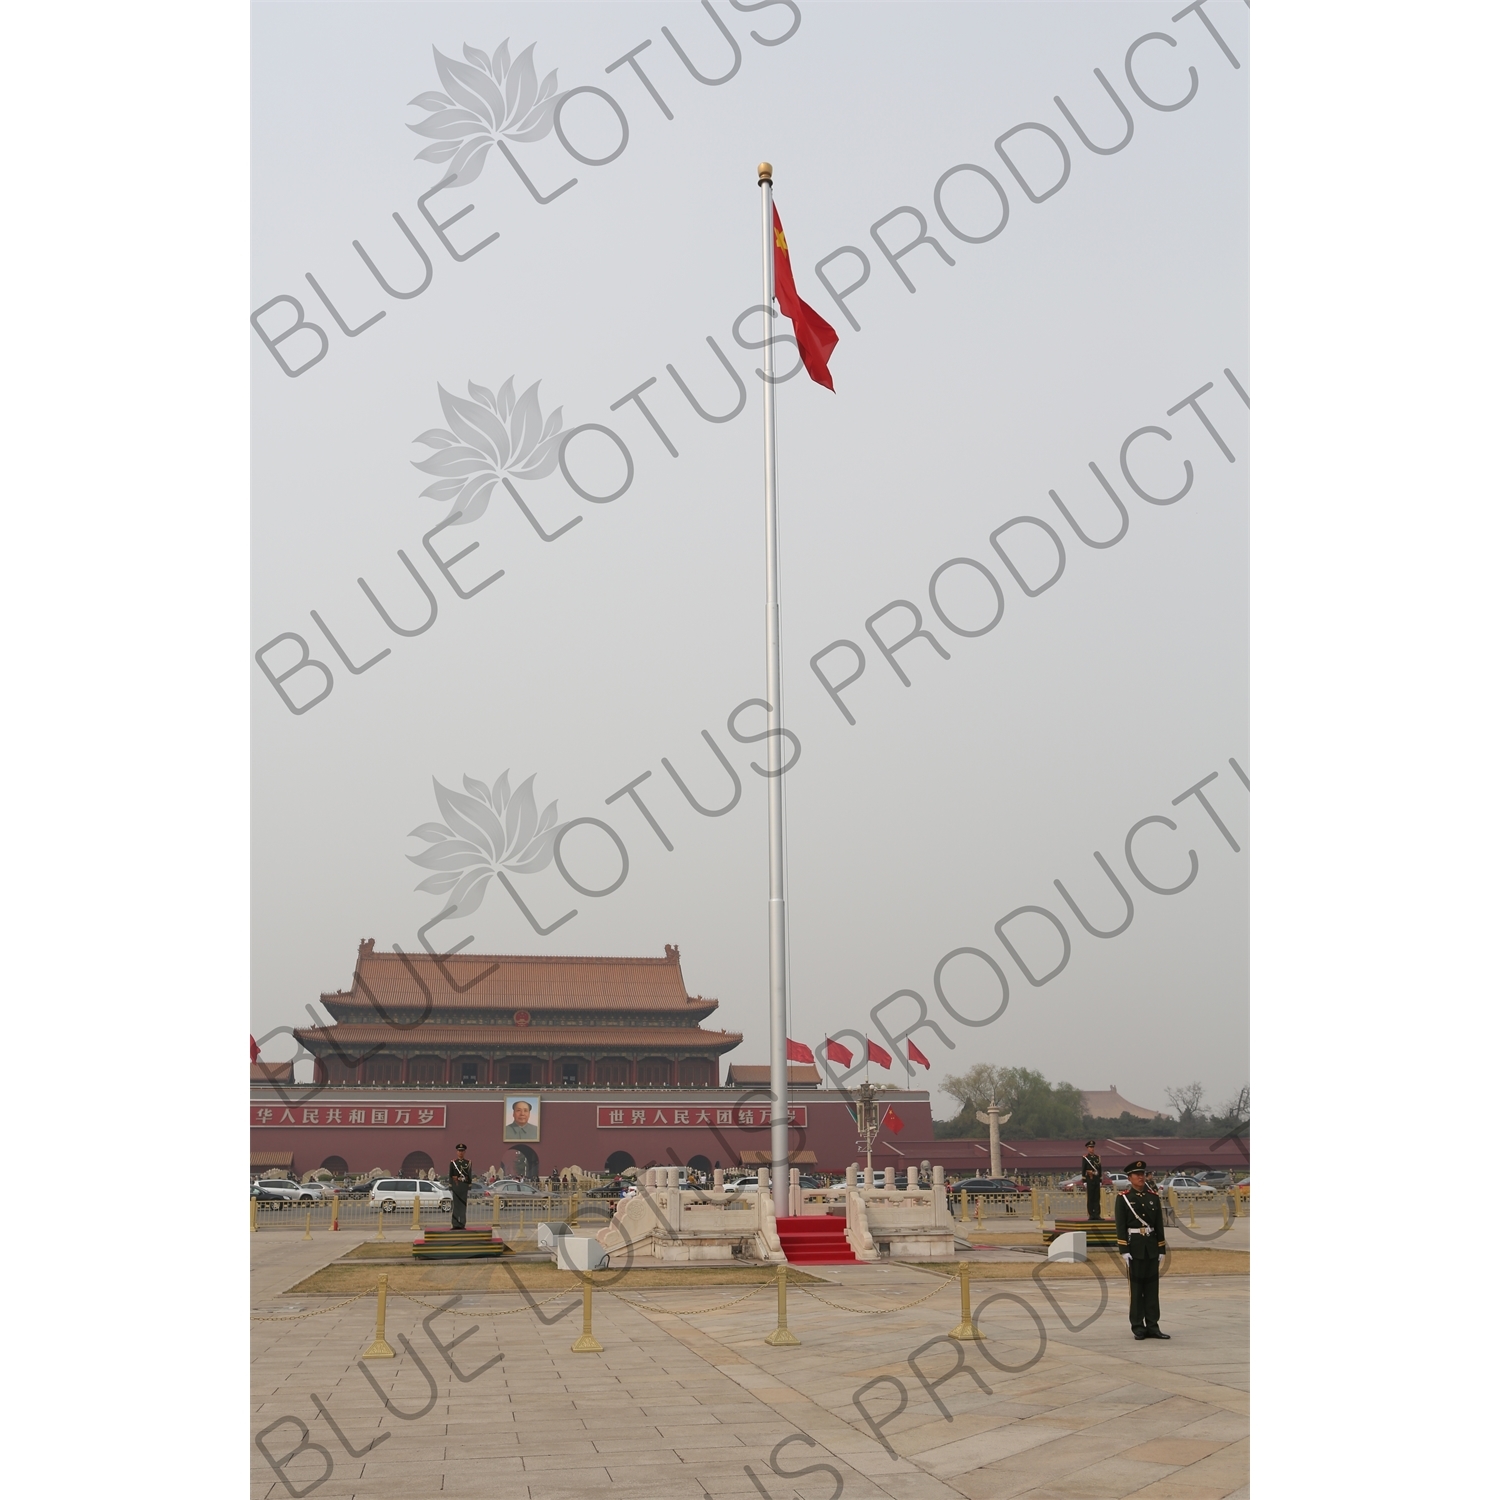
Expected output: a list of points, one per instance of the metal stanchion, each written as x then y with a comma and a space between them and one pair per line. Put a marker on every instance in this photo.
573, 1212
495, 1212
254, 1215
380, 1349
966, 1329
416, 1208
379, 1221
332, 1228
783, 1338
1226, 1210
978, 1212
1192, 1210
586, 1343
307, 1233
963, 1205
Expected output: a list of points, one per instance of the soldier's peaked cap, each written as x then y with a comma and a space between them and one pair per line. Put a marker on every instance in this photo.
460, 1147
1136, 1166
1089, 1142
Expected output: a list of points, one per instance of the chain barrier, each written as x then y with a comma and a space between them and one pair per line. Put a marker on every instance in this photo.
692, 1312
486, 1312
869, 1312
317, 1312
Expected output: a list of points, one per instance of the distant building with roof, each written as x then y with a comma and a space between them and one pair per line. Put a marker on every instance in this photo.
1108, 1104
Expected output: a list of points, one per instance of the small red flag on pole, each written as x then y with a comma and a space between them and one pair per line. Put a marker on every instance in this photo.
913, 1052
838, 1052
254, 1049
893, 1122
877, 1054
799, 1052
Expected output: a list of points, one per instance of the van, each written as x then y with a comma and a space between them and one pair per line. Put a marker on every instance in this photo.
393, 1193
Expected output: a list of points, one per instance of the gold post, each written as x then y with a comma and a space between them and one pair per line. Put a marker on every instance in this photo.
380, 1349
586, 1343
978, 1213
966, 1329
307, 1232
334, 1226
254, 1215
573, 1212
1226, 1210
380, 1222
1192, 1211
963, 1206
783, 1338
495, 1212
416, 1207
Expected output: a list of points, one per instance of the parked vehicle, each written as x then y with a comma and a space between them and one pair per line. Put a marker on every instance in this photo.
1118, 1181
1185, 1187
356, 1190
1216, 1179
1073, 1185
510, 1187
293, 1192
1004, 1187
615, 1189
741, 1183
275, 1190
393, 1193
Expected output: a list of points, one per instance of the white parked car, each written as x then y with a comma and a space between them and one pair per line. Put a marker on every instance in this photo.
1186, 1187
393, 1193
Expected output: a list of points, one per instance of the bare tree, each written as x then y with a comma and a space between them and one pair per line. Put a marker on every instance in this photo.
1238, 1108
1188, 1101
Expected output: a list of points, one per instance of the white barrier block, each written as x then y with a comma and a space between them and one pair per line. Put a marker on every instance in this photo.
1070, 1247
547, 1235
577, 1252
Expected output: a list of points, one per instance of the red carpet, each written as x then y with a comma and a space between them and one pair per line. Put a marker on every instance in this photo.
815, 1240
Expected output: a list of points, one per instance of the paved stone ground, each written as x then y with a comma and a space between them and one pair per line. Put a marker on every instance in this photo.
682, 1406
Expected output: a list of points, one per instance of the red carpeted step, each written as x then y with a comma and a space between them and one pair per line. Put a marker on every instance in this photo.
815, 1240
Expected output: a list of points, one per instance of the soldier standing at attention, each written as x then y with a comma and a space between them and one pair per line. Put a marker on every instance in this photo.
1093, 1177
1142, 1239
460, 1174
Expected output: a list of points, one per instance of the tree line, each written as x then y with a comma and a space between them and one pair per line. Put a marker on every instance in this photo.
1041, 1110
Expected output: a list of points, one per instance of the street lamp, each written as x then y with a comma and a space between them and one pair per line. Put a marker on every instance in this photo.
867, 1122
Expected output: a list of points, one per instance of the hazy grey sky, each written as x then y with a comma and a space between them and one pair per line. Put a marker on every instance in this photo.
949, 802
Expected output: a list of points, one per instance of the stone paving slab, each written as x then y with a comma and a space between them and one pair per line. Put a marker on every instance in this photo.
681, 1406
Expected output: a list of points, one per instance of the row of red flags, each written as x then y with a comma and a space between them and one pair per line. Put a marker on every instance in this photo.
837, 1052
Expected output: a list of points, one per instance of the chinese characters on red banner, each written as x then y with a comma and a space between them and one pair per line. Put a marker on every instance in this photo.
738, 1116
434, 1116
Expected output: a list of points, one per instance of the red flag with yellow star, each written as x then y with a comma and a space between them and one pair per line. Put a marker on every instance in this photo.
815, 337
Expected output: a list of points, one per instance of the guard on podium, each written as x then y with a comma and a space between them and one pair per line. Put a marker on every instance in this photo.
460, 1174
1142, 1239
1093, 1177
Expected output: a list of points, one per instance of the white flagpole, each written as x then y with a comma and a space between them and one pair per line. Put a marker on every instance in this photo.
780, 1096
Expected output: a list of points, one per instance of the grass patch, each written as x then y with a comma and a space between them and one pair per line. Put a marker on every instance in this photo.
1180, 1263
342, 1279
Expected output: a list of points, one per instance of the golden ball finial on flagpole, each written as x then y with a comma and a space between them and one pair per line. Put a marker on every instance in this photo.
765, 172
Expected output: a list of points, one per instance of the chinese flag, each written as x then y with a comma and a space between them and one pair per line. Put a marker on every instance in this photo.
798, 1052
913, 1052
893, 1122
254, 1048
877, 1054
815, 338
839, 1053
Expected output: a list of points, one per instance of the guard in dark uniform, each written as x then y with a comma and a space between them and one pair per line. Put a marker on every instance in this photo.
1142, 1239
1093, 1177
460, 1174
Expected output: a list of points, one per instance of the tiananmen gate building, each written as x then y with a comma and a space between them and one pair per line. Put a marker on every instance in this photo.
539, 1063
